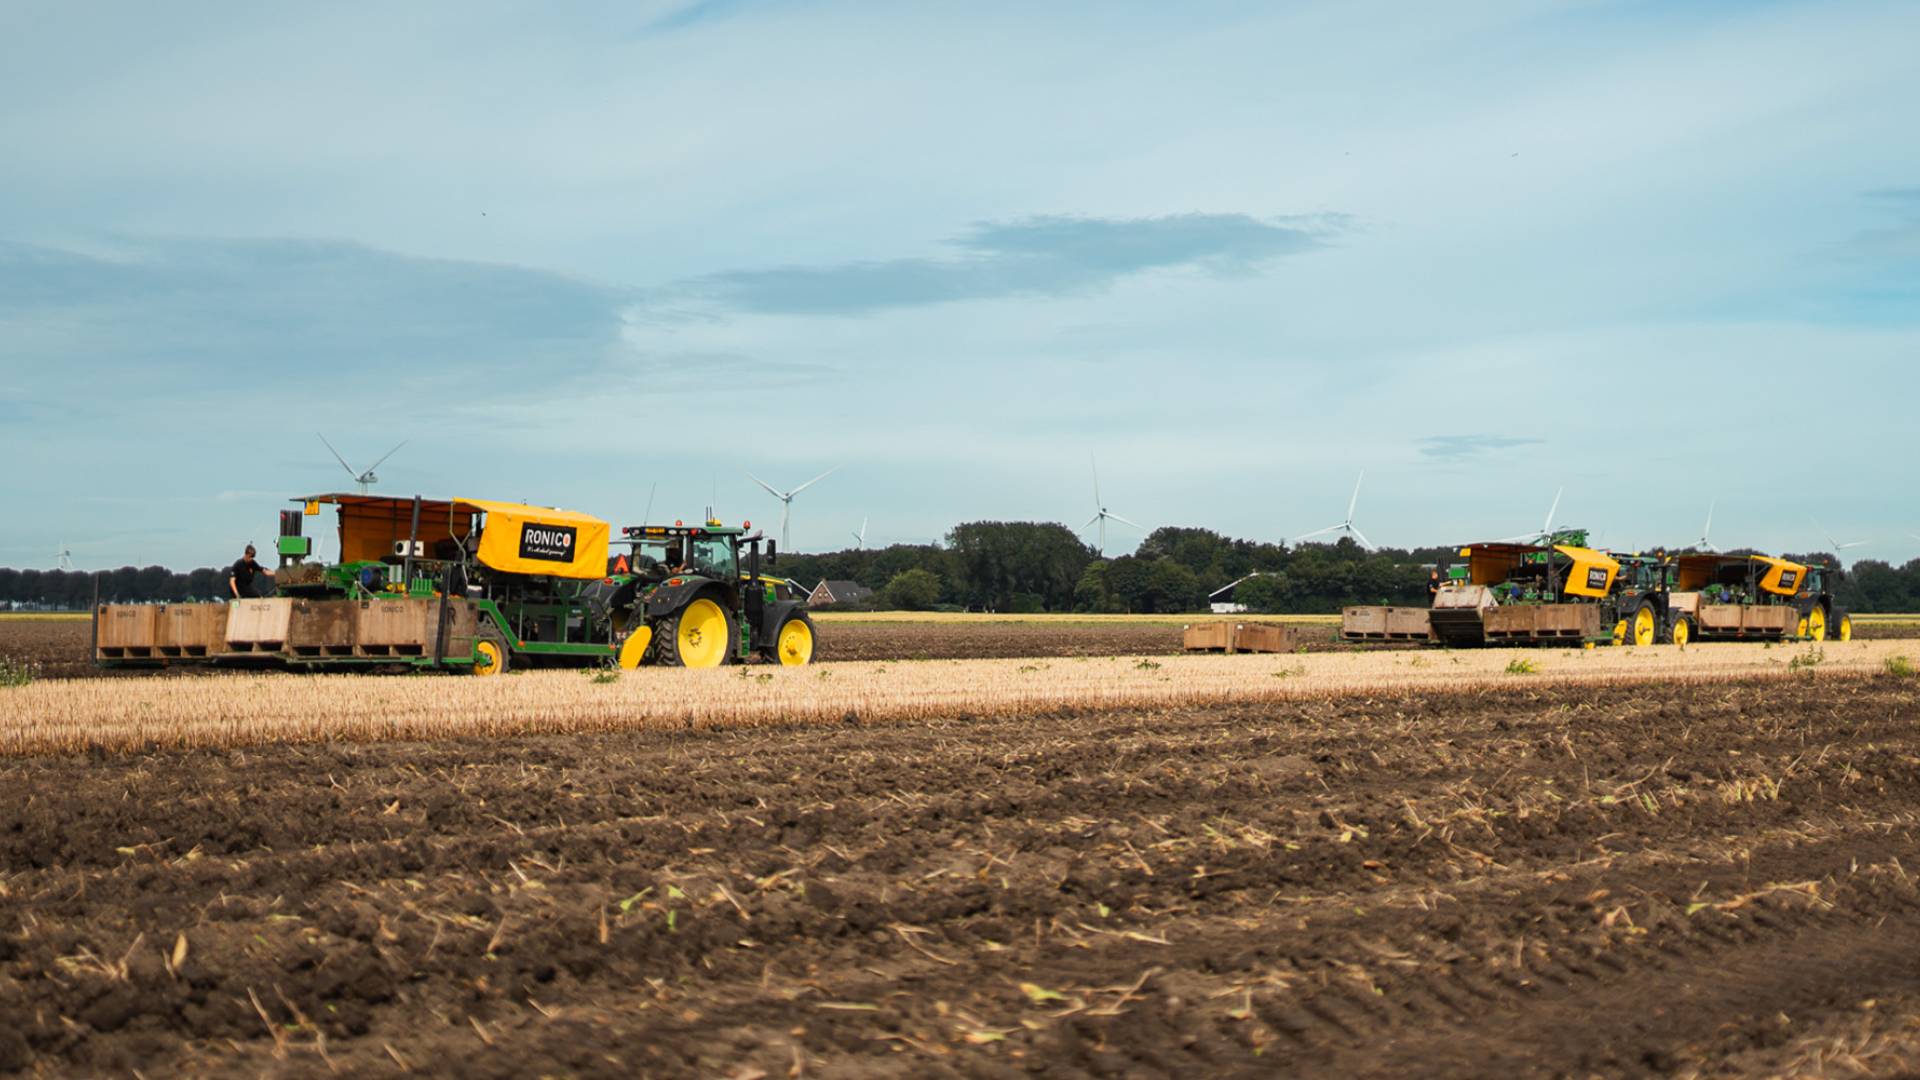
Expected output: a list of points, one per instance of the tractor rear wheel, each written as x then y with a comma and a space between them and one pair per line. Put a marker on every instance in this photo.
1644, 626
1843, 628
1682, 631
699, 635
793, 642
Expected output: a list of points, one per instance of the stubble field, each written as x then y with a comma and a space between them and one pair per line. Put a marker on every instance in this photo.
1388, 871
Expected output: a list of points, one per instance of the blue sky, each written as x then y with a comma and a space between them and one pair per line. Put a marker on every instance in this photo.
1658, 254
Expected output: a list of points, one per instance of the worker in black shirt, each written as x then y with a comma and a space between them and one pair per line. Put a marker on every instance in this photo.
1433, 584
240, 578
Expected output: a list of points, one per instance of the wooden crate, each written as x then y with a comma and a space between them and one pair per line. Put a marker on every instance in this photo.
125, 631
1208, 637
1409, 624
258, 626
322, 628
400, 627
1264, 637
190, 631
1541, 622
1364, 623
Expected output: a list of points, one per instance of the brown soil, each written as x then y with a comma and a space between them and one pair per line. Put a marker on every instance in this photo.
61, 647
1535, 882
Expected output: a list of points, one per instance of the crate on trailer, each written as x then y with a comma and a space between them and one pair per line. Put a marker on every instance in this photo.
189, 631
126, 631
322, 628
400, 627
258, 626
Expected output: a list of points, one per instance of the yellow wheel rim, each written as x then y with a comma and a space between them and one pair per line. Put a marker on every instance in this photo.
1817, 625
796, 643
1620, 632
1681, 632
1803, 627
702, 636
1643, 626
1843, 630
489, 658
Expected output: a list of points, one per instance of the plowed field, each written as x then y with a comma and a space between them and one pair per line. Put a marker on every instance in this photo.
1536, 881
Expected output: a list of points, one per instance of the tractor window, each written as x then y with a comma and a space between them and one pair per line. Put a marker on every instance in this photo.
714, 557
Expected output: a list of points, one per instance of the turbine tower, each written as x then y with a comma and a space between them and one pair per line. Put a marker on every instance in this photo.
365, 478
1345, 525
1101, 515
786, 498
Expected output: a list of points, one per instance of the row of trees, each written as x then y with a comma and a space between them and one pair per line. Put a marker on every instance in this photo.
1034, 566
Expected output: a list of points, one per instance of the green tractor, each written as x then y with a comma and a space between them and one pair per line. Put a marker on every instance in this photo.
686, 597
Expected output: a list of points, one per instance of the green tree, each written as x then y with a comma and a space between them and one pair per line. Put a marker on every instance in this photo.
913, 590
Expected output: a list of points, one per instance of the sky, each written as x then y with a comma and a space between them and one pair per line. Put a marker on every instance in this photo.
1663, 256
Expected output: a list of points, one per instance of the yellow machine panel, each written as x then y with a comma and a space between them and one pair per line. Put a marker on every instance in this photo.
1592, 572
517, 539
1782, 578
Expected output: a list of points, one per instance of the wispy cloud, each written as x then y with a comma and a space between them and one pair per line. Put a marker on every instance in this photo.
1038, 256
1457, 447
290, 306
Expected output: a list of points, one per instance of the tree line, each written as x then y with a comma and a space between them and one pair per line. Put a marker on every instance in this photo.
1026, 566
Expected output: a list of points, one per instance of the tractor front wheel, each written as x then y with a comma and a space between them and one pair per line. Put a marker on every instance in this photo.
1843, 628
1682, 631
700, 635
793, 643
1816, 624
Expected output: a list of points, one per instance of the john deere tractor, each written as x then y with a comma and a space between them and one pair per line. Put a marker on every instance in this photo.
687, 598
1821, 616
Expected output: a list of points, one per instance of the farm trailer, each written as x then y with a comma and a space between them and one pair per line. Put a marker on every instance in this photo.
481, 585
1712, 597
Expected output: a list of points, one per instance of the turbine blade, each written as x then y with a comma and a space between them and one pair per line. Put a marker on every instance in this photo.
1320, 532
338, 458
1547, 529
1090, 522
385, 456
766, 485
1362, 537
812, 482
1126, 521
1708, 531
1096, 479
1355, 501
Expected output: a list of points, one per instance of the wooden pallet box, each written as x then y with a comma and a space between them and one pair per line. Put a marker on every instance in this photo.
322, 628
399, 627
1264, 637
258, 626
1208, 637
189, 631
125, 631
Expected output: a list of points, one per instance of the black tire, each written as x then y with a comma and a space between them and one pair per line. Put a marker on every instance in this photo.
666, 634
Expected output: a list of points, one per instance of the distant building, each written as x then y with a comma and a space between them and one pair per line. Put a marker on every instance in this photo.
828, 593
1222, 601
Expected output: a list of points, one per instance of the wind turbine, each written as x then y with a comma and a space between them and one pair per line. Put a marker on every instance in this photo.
1345, 525
1703, 544
364, 478
786, 498
1101, 514
1836, 545
1546, 527
860, 538
63, 559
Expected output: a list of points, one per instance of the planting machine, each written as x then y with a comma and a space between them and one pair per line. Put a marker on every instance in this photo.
481, 586
1712, 597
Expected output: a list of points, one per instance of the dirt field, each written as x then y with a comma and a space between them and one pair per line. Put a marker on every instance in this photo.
1538, 881
60, 647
